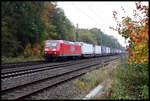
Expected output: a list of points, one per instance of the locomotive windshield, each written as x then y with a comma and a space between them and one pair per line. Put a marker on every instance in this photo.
51, 44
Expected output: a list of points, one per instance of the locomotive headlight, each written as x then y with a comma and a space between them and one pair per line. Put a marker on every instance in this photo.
53, 49
54, 52
46, 49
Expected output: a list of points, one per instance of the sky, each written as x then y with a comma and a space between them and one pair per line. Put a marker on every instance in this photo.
98, 15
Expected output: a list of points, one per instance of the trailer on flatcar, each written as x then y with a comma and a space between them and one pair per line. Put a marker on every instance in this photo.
87, 50
97, 51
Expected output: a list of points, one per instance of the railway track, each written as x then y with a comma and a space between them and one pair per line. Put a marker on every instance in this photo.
19, 64
29, 63
19, 85
12, 72
6, 73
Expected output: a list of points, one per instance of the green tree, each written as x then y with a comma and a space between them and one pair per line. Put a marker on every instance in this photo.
23, 23
10, 42
64, 28
85, 36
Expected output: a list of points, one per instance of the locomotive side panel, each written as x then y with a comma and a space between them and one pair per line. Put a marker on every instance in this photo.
70, 50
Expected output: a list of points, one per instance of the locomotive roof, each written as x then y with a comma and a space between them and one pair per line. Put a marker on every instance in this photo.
64, 41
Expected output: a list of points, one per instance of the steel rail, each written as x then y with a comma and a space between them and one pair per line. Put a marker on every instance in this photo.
19, 95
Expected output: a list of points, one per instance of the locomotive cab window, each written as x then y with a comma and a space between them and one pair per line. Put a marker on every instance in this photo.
51, 44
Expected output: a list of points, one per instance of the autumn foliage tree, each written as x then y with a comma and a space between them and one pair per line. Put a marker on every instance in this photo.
28, 50
136, 31
37, 49
133, 78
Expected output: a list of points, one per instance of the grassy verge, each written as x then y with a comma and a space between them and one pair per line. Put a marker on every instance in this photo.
103, 76
120, 81
20, 59
131, 82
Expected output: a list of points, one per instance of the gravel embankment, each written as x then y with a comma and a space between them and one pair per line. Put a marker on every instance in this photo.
65, 90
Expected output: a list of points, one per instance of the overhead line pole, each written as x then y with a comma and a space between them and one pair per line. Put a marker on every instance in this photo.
101, 39
77, 33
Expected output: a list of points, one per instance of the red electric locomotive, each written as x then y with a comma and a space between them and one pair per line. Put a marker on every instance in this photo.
61, 48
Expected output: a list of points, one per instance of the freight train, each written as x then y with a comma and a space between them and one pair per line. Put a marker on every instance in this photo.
66, 49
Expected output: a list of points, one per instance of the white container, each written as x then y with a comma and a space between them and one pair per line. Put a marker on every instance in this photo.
108, 50
117, 51
97, 49
87, 48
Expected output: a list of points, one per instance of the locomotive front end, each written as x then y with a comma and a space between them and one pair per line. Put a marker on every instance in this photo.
51, 49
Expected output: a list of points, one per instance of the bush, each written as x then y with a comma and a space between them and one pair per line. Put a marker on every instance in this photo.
36, 49
132, 82
28, 51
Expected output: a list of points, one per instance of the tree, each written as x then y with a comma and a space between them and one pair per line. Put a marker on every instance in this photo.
136, 31
104, 39
25, 23
64, 28
10, 42
86, 36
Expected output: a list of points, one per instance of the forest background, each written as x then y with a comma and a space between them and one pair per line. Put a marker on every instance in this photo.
26, 25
